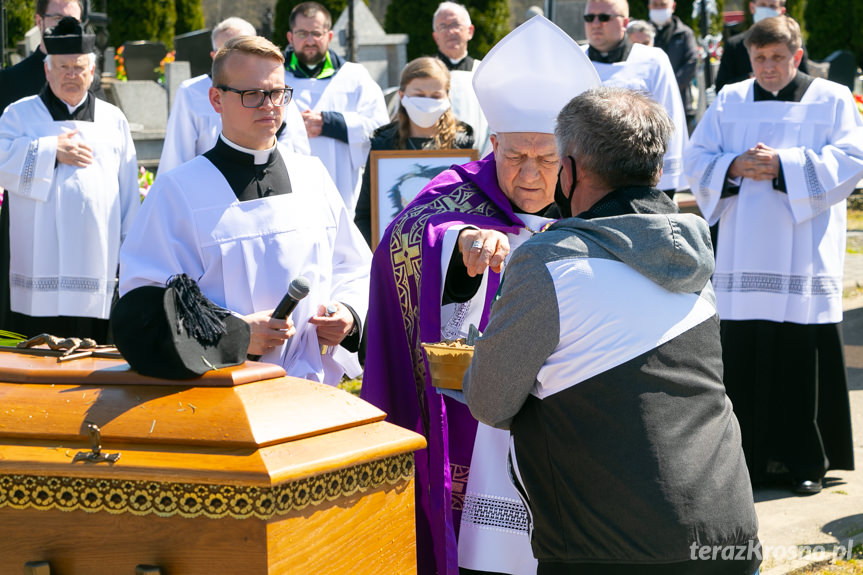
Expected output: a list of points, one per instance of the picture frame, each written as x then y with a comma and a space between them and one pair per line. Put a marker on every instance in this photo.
397, 176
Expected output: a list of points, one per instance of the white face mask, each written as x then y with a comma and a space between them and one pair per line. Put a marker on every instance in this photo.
660, 16
425, 112
762, 12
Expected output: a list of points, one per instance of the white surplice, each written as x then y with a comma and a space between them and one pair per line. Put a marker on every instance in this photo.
649, 70
68, 221
780, 255
194, 126
494, 533
352, 93
466, 108
245, 254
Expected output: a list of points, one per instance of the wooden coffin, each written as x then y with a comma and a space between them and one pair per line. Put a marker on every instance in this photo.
243, 471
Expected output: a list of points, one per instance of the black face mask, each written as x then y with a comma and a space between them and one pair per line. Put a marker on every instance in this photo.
564, 203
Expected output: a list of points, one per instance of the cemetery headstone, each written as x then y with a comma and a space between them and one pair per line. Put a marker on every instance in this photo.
141, 59
195, 47
843, 68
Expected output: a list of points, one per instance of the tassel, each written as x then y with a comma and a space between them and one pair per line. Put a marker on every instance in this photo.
201, 317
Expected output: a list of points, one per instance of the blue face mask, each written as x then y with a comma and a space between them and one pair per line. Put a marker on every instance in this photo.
762, 12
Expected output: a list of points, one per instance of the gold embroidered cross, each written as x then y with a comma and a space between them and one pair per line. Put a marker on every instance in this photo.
406, 254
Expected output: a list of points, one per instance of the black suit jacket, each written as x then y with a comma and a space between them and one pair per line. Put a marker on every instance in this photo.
735, 65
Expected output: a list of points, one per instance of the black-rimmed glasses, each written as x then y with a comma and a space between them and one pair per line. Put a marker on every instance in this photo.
601, 17
255, 98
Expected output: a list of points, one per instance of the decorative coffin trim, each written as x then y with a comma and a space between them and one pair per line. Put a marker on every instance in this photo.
193, 500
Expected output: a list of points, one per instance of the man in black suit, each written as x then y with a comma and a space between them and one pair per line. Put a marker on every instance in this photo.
735, 65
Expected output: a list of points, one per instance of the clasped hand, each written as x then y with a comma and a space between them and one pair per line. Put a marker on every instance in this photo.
758, 163
73, 152
314, 123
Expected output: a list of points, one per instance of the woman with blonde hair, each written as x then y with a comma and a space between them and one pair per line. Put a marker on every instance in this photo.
424, 121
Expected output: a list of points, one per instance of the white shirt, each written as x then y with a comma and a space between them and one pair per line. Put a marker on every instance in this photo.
466, 108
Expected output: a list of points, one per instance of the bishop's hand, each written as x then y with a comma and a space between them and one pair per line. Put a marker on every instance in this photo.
482, 249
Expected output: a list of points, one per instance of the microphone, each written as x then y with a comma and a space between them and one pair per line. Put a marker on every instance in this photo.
297, 290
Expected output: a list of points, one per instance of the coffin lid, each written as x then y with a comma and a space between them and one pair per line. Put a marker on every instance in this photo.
253, 405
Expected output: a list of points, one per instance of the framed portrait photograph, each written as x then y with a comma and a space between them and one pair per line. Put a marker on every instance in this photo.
397, 176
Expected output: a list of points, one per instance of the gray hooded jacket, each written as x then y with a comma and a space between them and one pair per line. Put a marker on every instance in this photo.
602, 356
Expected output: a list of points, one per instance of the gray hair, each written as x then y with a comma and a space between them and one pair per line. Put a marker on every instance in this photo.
454, 7
233, 24
91, 56
641, 26
618, 135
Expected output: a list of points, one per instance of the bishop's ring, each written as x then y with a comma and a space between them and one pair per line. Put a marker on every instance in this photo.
476, 245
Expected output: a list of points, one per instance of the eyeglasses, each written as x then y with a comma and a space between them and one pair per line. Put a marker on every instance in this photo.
601, 17
55, 17
454, 27
303, 34
255, 98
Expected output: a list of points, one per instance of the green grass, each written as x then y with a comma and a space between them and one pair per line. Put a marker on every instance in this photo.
10, 338
351, 385
855, 219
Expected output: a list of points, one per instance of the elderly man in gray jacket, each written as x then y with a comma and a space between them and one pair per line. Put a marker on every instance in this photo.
624, 443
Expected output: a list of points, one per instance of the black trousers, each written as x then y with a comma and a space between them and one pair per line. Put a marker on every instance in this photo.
789, 389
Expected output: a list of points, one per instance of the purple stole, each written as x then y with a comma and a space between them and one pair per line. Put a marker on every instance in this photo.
404, 310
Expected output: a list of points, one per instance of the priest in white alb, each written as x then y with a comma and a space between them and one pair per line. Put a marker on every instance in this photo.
773, 160
193, 126
340, 103
68, 163
623, 64
248, 217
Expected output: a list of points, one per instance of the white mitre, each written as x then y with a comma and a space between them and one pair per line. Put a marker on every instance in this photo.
529, 76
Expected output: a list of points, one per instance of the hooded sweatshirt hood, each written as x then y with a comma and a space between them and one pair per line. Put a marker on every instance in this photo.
670, 248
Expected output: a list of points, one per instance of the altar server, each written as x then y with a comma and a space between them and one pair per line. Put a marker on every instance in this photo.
248, 217
193, 126
773, 160
68, 163
439, 263
340, 103
623, 64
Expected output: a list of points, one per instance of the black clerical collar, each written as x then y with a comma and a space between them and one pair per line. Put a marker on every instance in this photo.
631, 200
617, 54
793, 92
250, 181
311, 72
463, 65
59, 111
